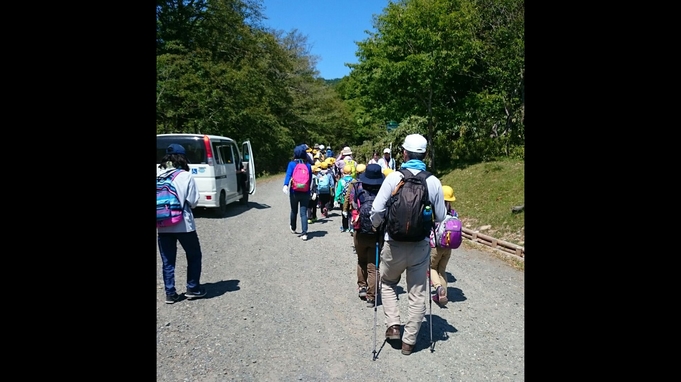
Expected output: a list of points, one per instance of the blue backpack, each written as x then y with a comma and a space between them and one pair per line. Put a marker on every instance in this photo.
324, 185
169, 208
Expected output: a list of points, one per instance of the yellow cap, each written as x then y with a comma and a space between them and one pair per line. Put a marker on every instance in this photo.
360, 168
387, 171
347, 169
315, 169
449, 193
324, 165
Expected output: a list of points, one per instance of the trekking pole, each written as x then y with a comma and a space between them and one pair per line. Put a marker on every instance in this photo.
430, 301
376, 294
430, 312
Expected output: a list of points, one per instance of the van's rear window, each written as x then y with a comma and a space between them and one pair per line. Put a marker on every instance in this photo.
194, 146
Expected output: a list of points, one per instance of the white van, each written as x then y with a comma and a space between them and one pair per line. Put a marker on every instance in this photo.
215, 162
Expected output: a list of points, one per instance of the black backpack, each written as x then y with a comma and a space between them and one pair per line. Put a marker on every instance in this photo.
405, 208
364, 198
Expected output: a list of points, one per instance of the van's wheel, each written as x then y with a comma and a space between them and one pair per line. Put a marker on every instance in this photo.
222, 209
244, 199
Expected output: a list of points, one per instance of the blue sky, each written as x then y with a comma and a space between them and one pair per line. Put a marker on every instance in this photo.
331, 27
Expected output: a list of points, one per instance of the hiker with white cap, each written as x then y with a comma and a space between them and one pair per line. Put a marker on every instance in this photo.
409, 252
386, 161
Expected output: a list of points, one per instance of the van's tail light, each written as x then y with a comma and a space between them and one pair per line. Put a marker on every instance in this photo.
209, 151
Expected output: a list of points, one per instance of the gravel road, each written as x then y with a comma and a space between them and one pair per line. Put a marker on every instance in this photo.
281, 309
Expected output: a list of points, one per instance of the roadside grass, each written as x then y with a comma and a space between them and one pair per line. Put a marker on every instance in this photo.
485, 194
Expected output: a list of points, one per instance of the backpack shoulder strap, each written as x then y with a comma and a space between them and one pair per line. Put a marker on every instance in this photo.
170, 174
423, 175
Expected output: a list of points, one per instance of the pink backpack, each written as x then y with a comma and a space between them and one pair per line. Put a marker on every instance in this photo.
447, 234
300, 180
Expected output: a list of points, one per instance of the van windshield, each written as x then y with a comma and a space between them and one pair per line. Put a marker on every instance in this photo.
194, 146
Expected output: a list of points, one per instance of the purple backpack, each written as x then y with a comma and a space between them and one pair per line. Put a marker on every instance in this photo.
447, 234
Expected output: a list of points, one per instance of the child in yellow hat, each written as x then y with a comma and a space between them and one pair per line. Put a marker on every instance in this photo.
440, 257
341, 191
312, 204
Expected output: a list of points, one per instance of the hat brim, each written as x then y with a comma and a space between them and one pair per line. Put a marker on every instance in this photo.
453, 198
370, 181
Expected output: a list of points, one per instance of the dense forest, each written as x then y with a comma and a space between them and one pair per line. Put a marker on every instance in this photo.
452, 70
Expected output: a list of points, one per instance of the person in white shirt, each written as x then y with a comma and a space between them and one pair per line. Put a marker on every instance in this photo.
183, 232
374, 159
386, 161
398, 257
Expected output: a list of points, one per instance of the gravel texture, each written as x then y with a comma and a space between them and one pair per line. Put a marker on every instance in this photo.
282, 309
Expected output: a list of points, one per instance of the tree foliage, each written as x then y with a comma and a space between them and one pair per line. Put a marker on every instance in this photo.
458, 64
452, 70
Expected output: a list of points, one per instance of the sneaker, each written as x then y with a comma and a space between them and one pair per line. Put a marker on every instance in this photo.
393, 333
362, 292
370, 303
304, 237
309, 221
292, 230
351, 230
442, 295
325, 212
198, 294
172, 298
342, 229
314, 220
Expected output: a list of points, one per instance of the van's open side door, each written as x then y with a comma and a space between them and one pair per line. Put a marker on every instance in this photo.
249, 164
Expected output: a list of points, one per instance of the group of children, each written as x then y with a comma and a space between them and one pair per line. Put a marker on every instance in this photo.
333, 179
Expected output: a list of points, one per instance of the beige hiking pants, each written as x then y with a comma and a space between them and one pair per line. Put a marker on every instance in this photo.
396, 258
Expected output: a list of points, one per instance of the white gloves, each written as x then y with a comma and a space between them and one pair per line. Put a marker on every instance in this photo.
314, 196
345, 214
285, 190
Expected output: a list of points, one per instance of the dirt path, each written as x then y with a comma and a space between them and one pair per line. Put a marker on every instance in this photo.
280, 309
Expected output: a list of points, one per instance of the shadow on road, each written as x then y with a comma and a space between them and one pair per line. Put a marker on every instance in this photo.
233, 209
221, 287
455, 295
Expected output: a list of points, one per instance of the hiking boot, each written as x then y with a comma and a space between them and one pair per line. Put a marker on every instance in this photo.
407, 349
198, 294
362, 292
304, 237
370, 303
172, 298
442, 295
393, 332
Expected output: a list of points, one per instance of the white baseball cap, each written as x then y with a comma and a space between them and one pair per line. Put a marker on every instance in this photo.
386, 151
415, 143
